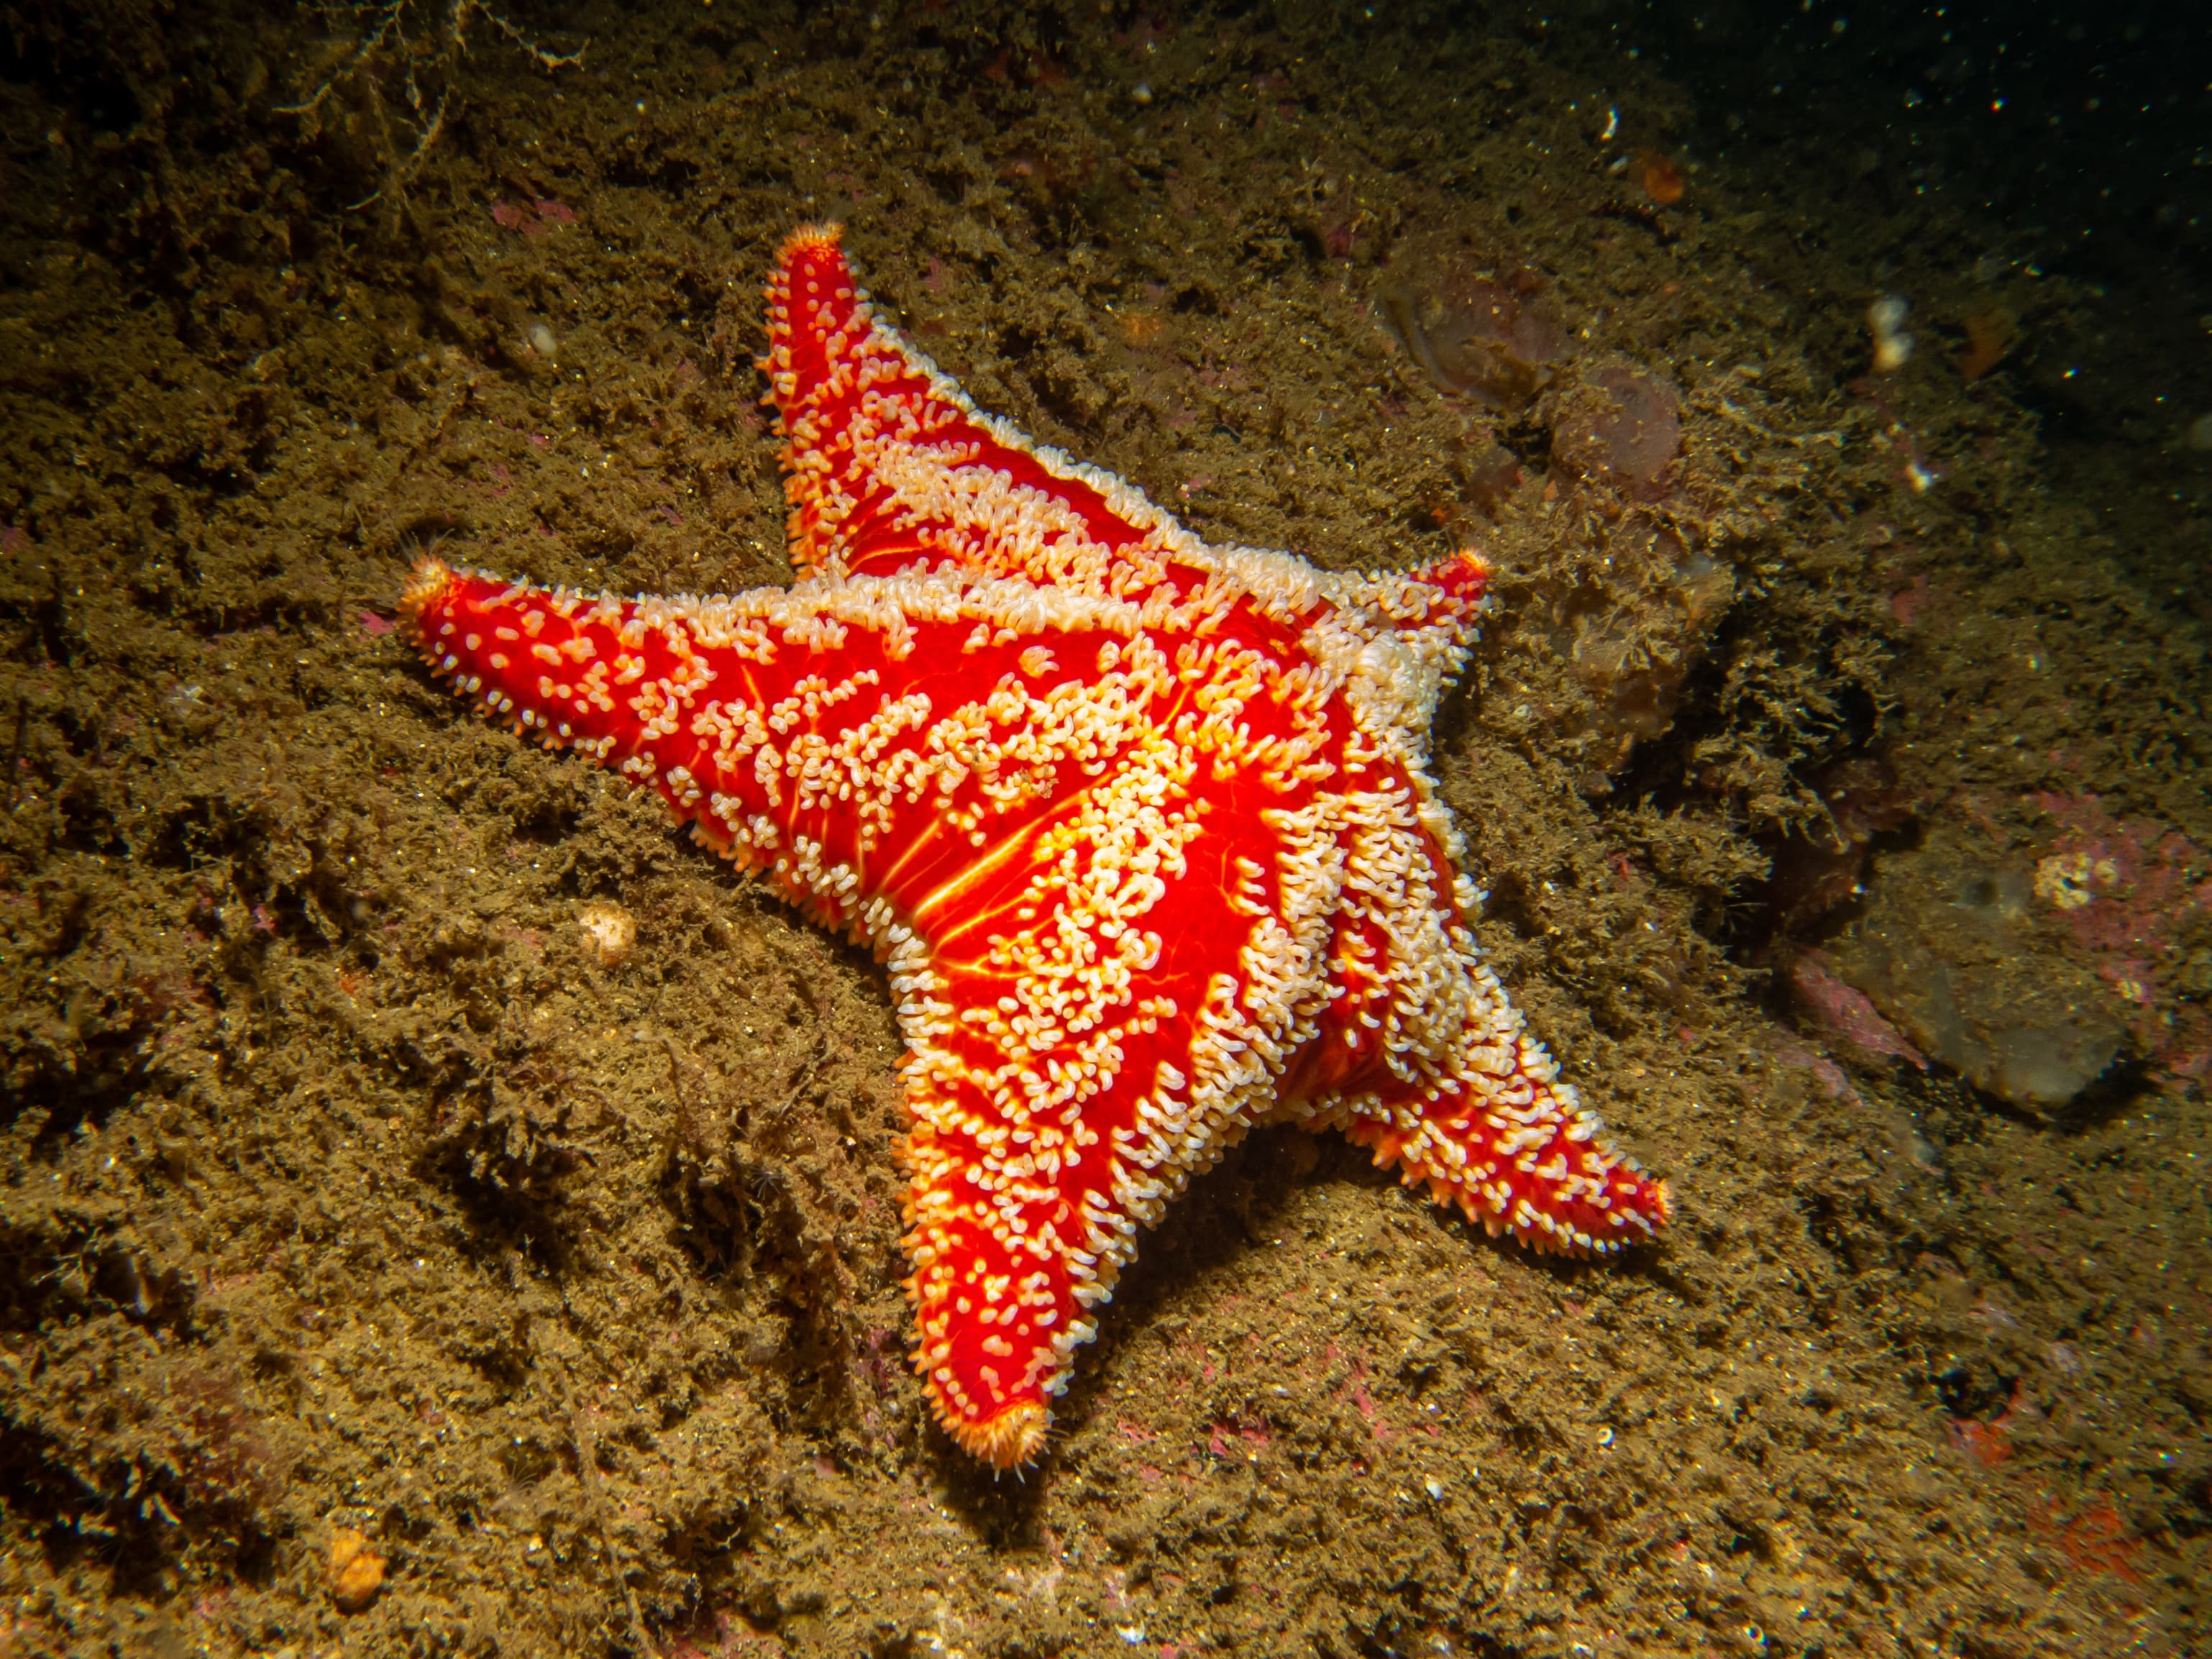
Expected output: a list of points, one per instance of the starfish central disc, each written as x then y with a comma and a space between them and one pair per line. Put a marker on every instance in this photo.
1141, 827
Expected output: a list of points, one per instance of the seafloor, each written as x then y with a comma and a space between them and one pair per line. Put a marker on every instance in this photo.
387, 1268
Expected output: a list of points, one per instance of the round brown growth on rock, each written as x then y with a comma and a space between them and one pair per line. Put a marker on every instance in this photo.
1622, 428
1493, 341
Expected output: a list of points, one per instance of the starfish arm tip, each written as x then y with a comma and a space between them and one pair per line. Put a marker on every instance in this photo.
1548, 1197
429, 578
815, 236
1011, 1438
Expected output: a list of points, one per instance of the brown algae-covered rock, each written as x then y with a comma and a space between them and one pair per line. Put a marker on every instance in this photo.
1629, 644
1952, 949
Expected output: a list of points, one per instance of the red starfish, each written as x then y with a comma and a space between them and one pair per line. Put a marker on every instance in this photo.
1141, 827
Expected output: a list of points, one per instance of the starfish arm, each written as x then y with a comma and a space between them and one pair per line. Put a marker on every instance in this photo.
1420, 1057
852, 739
1078, 890
888, 466
1062, 1090
1097, 1014
1512, 1146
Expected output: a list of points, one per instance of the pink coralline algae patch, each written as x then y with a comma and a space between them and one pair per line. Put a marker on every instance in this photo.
1988, 1444
2095, 1538
1222, 1439
533, 218
372, 623
2136, 897
13, 538
1847, 1016
2136, 881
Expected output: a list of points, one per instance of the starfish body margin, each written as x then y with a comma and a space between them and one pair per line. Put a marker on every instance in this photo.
1141, 827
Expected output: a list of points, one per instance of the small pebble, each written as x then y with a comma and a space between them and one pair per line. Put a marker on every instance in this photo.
356, 1572
610, 931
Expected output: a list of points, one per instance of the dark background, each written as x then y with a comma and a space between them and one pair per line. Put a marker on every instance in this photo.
2083, 132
